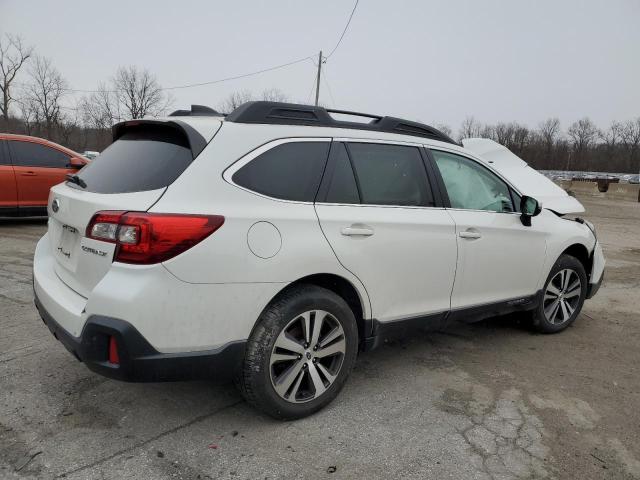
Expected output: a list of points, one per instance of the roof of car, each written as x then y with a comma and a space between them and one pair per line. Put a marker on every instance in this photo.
292, 114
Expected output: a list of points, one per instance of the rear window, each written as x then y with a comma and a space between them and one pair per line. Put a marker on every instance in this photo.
142, 159
291, 171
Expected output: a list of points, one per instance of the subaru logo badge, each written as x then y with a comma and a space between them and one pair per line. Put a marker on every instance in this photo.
55, 205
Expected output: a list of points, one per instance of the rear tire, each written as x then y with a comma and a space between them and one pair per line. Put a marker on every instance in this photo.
563, 296
283, 374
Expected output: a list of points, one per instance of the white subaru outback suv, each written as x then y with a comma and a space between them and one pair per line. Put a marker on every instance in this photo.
271, 244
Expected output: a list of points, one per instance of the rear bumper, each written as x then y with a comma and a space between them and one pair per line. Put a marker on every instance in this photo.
171, 315
139, 361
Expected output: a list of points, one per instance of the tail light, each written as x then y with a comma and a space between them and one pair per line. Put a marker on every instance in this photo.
144, 238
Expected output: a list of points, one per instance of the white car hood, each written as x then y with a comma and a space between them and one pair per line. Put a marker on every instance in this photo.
522, 176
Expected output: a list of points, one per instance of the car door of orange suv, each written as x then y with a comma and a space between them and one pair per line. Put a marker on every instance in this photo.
38, 167
8, 189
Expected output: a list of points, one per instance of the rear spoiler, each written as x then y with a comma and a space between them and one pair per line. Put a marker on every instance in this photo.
197, 142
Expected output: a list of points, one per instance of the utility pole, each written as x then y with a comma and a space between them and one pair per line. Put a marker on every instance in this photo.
318, 78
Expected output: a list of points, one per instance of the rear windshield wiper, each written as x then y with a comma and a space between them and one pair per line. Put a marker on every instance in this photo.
76, 179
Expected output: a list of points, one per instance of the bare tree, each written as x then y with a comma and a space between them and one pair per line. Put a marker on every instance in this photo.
487, 131
611, 135
67, 126
235, 99
13, 55
139, 93
44, 93
28, 114
274, 95
444, 128
582, 133
470, 128
503, 134
101, 108
630, 140
549, 131
520, 138
610, 139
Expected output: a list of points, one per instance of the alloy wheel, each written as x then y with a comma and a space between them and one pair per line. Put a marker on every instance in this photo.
562, 296
307, 356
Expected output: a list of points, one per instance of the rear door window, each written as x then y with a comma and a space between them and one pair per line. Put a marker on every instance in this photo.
390, 174
290, 171
29, 154
144, 158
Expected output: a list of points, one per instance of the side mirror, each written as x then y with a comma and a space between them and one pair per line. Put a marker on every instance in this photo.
529, 207
76, 163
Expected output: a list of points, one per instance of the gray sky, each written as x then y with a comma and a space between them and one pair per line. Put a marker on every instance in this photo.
435, 61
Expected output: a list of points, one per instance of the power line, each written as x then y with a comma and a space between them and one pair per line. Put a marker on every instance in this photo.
326, 82
313, 85
190, 85
344, 31
236, 77
322, 59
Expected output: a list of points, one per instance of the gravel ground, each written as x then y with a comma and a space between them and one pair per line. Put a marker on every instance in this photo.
485, 401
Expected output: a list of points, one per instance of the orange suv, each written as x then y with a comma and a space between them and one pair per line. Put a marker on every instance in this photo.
29, 167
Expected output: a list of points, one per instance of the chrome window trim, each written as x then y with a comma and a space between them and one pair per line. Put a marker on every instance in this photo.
413, 207
482, 211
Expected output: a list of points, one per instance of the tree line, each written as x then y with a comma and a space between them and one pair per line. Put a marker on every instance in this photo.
37, 100
583, 146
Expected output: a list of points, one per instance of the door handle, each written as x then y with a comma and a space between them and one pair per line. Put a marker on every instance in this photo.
28, 174
470, 234
355, 230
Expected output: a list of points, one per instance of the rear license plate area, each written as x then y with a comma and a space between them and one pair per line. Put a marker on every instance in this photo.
67, 241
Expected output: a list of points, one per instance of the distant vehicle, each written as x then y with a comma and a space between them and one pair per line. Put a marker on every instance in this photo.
29, 167
90, 154
634, 179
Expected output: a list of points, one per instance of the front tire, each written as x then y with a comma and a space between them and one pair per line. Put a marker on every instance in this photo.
300, 353
563, 296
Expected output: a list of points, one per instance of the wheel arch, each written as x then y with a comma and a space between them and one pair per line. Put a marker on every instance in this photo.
575, 245
346, 290
580, 251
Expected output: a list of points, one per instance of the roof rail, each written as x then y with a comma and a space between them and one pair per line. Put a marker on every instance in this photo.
197, 111
278, 113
